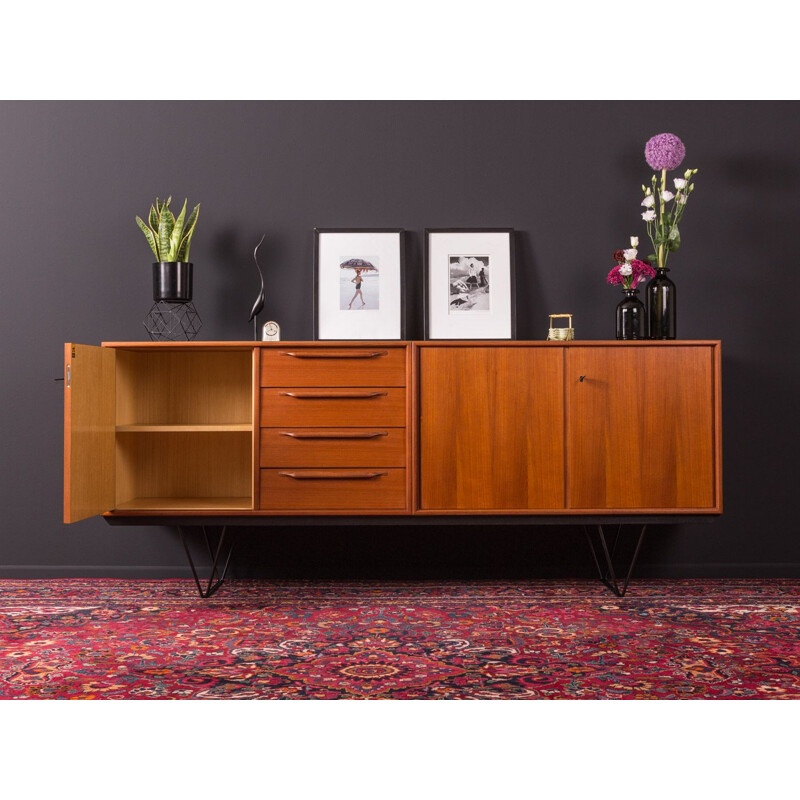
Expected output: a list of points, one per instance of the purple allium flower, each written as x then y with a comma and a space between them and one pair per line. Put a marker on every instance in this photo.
664, 151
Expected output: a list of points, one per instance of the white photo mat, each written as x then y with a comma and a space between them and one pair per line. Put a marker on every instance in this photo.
469, 285
366, 307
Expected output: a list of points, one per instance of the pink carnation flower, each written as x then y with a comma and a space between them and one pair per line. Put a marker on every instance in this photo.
640, 272
614, 278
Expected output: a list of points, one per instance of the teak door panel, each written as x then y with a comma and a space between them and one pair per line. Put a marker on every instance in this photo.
333, 366
640, 427
89, 420
491, 428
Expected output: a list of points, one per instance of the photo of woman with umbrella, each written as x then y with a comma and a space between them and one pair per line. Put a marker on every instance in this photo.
359, 283
358, 280
365, 282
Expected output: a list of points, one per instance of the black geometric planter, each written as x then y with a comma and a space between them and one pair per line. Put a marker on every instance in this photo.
172, 281
172, 322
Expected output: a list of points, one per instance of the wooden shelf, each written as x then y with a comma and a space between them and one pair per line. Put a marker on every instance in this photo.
222, 428
185, 503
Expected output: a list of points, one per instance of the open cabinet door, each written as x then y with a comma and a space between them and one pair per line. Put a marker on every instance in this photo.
89, 424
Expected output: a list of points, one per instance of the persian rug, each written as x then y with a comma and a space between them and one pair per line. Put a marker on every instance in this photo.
85, 639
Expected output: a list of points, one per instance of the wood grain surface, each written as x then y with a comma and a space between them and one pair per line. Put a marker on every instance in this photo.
161, 387
89, 417
237, 427
496, 427
333, 407
187, 505
333, 366
640, 428
491, 428
333, 447
280, 490
183, 465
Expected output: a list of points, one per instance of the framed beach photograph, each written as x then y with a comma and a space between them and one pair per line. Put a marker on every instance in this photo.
359, 283
469, 283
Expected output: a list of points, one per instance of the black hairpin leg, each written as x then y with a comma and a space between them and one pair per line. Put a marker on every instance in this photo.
215, 580
609, 576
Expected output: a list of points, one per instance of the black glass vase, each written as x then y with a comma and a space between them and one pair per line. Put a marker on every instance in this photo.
631, 317
661, 306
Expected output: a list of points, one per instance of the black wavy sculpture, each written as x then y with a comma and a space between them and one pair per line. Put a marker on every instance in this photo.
259, 303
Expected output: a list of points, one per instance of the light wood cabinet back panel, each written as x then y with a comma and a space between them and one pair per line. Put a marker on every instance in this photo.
333, 366
640, 427
183, 465
182, 387
491, 428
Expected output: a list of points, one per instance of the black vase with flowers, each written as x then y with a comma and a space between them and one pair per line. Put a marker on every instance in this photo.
664, 207
661, 306
631, 316
629, 272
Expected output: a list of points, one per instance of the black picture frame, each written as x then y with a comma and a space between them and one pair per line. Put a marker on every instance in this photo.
426, 276
315, 276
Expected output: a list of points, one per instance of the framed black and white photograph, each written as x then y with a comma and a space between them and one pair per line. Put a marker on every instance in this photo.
359, 283
469, 283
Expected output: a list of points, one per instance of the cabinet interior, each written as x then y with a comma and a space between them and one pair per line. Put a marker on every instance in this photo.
184, 429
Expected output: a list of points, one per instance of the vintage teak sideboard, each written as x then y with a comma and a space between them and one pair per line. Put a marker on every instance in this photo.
237, 432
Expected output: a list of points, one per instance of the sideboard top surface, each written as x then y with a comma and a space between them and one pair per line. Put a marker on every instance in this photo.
241, 345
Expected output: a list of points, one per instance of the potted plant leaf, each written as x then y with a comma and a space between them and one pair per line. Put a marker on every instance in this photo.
170, 239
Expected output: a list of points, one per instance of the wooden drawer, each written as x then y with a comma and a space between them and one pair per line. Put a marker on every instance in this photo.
333, 407
344, 366
333, 447
333, 489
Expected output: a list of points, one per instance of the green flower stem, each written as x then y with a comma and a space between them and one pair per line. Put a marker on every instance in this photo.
661, 257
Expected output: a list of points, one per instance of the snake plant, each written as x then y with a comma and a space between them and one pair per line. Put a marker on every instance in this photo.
169, 238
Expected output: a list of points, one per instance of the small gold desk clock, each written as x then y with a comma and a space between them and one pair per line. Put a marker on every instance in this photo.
566, 334
271, 332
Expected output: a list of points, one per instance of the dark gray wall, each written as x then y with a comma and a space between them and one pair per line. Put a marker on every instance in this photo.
567, 175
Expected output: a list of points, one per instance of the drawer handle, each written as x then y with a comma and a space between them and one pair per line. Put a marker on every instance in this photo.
323, 354
330, 475
333, 395
342, 435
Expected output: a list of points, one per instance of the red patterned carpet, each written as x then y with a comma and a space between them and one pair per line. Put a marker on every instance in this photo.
540, 639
